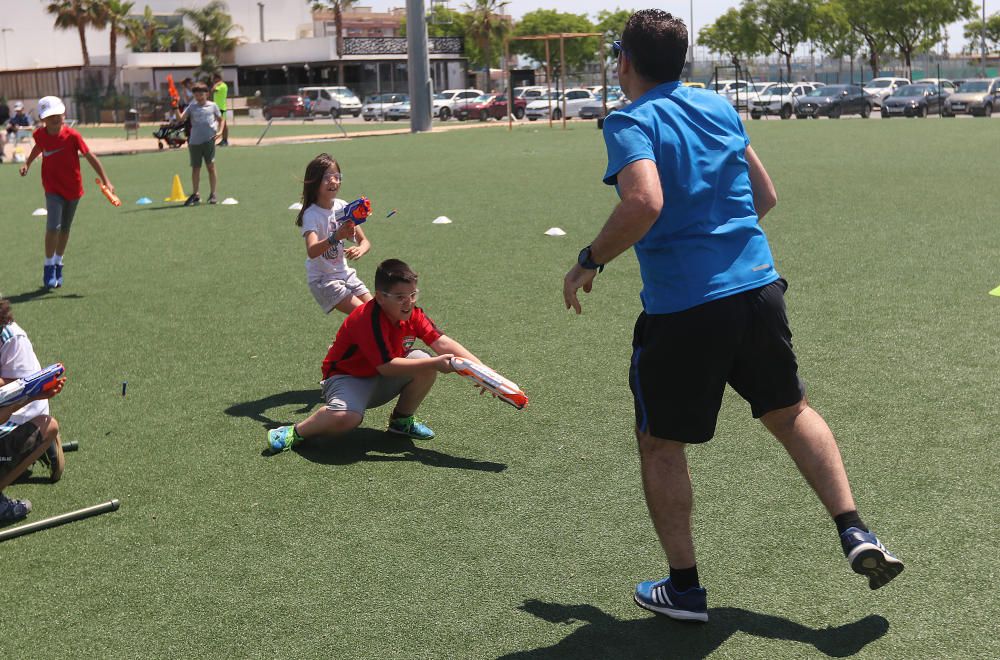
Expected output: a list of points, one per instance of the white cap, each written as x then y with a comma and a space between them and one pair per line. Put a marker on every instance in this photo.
50, 105
18, 106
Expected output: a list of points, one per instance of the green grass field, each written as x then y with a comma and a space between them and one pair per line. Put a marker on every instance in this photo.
512, 534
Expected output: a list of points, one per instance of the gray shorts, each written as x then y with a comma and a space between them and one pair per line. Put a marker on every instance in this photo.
330, 293
199, 152
360, 394
60, 212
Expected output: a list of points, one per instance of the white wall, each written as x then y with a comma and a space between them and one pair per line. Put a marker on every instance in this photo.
34, 43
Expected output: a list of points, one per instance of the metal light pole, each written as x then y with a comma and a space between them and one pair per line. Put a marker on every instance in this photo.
260, 9
3, 32
982, 38
418, 64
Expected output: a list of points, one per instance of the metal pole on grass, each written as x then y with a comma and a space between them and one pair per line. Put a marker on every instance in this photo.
418, 65
562, 76
548, 78
55, 521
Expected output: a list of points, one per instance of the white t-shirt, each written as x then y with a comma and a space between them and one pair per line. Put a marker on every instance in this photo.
17, 359
331, 265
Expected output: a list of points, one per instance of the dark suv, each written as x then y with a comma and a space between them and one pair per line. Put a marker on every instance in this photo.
834, 101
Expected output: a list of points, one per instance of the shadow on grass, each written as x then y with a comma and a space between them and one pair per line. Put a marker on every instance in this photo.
146, 209
364, 444
42, 292
306, 400
604, 636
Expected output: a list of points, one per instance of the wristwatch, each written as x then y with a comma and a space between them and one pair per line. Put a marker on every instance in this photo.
587, 261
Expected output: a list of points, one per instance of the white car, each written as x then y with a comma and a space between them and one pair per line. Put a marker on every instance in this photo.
780, 99
333, 101
575, 100
378, 105
879, 88
530, 92
947, 87
742, 97
443, 104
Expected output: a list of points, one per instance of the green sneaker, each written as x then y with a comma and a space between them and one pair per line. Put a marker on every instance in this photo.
282, 438
410, 427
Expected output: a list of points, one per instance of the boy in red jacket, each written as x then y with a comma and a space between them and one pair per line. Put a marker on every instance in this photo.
60, 146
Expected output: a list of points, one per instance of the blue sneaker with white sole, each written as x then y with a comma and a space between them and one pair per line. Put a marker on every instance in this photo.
282, 438
49, 276
410, 427
58, 275
867, 556
660, 596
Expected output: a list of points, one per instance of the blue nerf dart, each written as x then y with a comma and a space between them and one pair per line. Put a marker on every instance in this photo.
391, 213
124, 385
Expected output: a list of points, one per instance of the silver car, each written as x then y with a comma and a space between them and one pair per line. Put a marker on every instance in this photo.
974, 97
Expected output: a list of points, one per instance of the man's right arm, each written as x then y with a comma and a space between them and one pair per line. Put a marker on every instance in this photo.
764, 196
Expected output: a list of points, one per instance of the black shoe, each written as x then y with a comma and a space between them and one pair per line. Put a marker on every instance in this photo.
224, 143
193, 199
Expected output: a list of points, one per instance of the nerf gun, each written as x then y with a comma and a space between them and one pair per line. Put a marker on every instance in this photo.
113, 198
491, 381
357, 211
31, 386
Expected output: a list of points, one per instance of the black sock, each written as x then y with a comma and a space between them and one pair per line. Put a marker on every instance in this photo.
396, 415
847, 520
684, 578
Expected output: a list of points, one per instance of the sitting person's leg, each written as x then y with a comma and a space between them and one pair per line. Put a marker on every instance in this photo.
20, 446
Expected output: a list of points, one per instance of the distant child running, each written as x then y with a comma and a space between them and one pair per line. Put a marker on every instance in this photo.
205, 119
60, 146
325, 225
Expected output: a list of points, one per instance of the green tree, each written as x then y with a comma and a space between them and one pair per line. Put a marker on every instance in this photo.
733, 34
783, 24
114, 15
74, 15
832, 32
141, 32
611, 24
974, 33
338, 7
548, 21
916, 25
212, 30
487, 27
867, 19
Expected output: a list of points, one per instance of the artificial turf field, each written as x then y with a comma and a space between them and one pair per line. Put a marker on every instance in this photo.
511, 534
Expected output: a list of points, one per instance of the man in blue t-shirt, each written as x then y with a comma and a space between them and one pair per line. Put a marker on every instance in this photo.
692, 195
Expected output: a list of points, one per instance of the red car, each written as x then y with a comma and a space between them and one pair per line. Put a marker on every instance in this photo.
285, 106
488, 105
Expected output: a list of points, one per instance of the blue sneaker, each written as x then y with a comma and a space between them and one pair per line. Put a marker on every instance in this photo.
282, 438
867, 556
13, 510
49, 276
661, 597
410, 427
58, 275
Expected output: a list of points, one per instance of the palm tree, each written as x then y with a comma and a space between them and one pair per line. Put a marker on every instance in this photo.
141, 32
74, 15
486, 25
113, 14
338, 7
212, 25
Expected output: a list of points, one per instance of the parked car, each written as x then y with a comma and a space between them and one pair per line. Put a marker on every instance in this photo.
443, 104
780, 99
377, 106
834, 101
724, 87
595, 109
947, 86
975, 97
398, 111
913, 101
575, 99
878, 89
489, 105
742, 97
530, 92
699, 85
333, 101
285, 106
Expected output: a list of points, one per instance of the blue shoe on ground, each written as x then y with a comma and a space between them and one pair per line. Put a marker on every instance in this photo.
660, 596
13, 510
867, 556
58, 275
280, 439
411, 428
49, 277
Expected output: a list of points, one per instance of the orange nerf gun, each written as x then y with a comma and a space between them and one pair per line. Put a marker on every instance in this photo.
504, 389
357, 211
113, 198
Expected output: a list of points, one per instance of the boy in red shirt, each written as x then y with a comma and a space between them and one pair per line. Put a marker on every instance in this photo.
372, 362
59, 145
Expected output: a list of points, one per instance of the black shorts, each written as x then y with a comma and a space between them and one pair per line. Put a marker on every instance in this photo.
681, 363
18, 445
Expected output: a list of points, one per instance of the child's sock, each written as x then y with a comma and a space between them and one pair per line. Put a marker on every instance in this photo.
58, 259
50, 261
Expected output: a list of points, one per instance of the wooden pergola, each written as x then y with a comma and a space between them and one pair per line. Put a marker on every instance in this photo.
561, 36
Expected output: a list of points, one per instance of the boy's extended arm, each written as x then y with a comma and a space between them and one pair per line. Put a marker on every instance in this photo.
96, 164
446, 344
409, 366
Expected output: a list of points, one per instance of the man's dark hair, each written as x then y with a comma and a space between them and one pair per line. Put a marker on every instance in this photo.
656, 44
200, 87
393, 271
216, 77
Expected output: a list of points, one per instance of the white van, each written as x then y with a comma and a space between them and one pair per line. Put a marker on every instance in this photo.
333, 101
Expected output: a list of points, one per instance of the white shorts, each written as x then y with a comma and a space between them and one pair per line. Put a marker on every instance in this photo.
330, 293
359, 394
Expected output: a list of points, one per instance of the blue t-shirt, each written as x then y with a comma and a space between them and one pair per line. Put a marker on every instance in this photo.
707, 243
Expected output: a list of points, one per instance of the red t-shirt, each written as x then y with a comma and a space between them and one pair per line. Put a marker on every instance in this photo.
368, 338
61, 161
